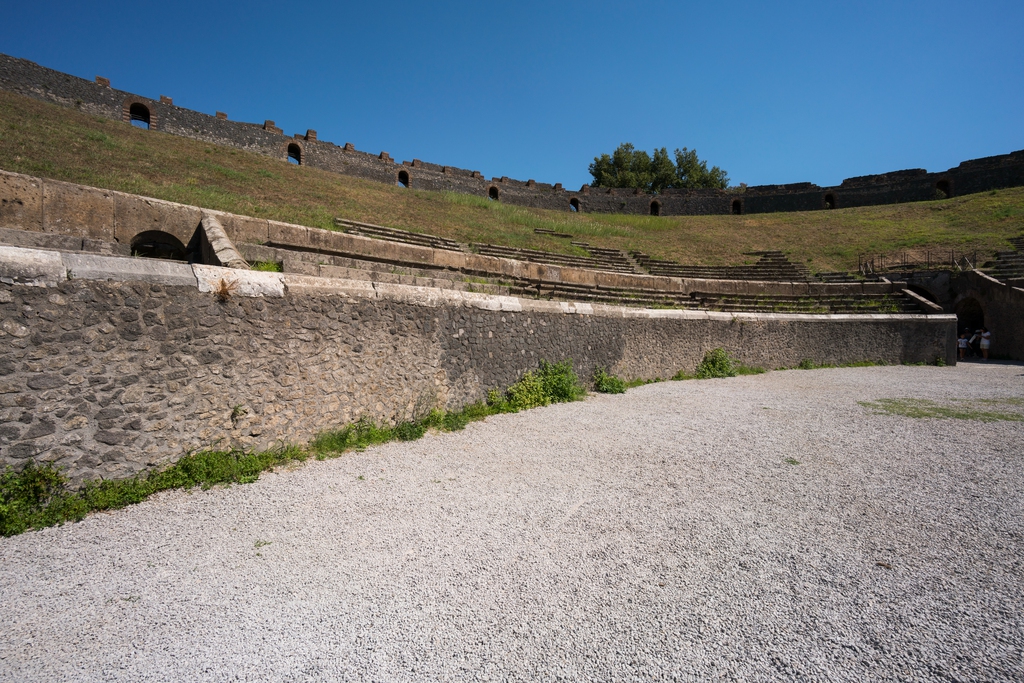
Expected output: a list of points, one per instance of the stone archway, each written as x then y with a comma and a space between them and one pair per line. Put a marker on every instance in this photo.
970, 315
158, 244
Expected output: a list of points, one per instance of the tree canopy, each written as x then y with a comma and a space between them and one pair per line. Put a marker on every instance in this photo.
631, 167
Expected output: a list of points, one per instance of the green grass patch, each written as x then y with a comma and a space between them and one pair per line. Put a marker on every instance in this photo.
951, 410
268, 267
38, 496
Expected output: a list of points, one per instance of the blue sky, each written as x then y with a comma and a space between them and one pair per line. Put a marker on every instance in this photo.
772, 92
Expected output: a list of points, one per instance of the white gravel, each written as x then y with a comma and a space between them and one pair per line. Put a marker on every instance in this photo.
659, 535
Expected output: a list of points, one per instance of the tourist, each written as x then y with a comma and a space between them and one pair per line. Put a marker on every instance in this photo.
961, 344
973, 343
986, 342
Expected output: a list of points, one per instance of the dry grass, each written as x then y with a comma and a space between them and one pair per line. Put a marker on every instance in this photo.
45, 140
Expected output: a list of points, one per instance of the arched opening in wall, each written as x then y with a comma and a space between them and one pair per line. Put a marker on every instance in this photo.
492, 193
138, 115
158, 244
942, 190
737, 207
294, 154
655, 208
830, 201
574, 205
970, 316
403, 178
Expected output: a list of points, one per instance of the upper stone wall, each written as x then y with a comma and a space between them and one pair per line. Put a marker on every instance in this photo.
27, 78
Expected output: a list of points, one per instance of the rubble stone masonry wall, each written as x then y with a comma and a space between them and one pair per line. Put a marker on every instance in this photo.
112, 365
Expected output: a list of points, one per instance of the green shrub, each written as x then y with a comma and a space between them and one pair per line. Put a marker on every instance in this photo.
528, 392
716, 363
268, 266
805, 364
560, 382
608, 384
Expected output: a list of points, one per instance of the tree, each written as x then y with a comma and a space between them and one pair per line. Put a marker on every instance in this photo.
691, 172
630, 167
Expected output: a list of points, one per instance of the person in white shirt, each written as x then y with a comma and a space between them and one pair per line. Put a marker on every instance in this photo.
986, 342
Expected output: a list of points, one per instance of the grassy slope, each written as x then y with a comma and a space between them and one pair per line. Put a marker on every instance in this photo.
49, 141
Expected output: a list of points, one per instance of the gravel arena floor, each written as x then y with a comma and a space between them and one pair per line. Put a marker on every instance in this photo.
754, 528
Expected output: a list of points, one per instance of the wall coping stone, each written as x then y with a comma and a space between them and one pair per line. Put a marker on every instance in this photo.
40, 268
33, 267
122, 269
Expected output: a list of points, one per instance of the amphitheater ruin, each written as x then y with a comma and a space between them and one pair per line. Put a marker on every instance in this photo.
115, 364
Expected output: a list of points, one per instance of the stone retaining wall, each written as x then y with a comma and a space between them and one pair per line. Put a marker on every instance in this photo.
65, 210
111, 365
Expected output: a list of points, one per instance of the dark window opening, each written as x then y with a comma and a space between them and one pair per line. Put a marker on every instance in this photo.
492, 193
403, 178
574, 205
295, 154
922, 292
830, 201
655, 209
737, 207
158, 244
138, 114
942, 190
970, 316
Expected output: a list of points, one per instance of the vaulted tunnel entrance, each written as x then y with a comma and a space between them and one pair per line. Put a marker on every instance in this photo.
655, 208
574, 204
403, 178
158, 244
737, 207
942, 190
294, 154
970, 316
492, 193
830, 201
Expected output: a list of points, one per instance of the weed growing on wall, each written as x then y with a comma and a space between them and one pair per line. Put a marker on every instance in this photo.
268, 267
608, 384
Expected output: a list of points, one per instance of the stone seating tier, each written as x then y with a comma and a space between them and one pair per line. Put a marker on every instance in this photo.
772, 266
1009, 265
396, 235
614, 261
327, 265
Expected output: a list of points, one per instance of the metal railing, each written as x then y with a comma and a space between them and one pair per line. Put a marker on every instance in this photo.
929, 260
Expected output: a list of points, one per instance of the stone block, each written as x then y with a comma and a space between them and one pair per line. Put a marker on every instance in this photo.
336, 242
288, 235
31, 267
135, 215
70, 209
318, 286
39, 240
244, 229
121, 269
296, 265
21, 202
247, 283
